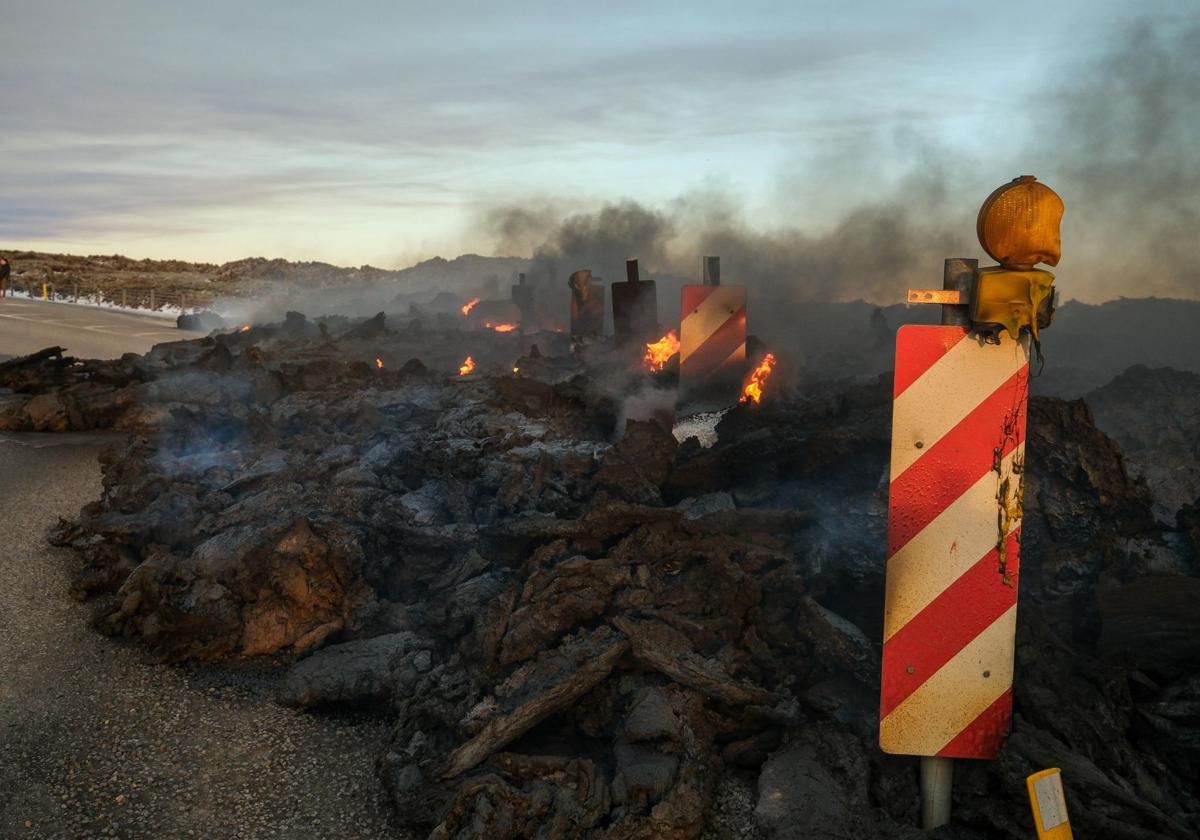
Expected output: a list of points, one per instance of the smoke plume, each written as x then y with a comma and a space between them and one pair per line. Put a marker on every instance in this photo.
1123, 143
1115, 136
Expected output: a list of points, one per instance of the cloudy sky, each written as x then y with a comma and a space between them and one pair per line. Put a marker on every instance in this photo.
385, 132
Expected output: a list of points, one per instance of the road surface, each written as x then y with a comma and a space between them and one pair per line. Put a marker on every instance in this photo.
88, 332
96, 742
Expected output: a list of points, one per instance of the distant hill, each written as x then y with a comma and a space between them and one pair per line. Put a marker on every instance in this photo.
469, 272
254, 276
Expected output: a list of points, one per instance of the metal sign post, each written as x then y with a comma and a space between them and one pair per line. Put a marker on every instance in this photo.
522, 296
635, 307
937, 772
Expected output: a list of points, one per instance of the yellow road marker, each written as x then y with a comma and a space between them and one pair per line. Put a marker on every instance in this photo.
1049, 805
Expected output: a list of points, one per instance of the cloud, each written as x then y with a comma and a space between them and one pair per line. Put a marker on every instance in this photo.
379, 131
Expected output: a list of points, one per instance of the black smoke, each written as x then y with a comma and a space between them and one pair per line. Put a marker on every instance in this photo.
1124, 141
1115, 135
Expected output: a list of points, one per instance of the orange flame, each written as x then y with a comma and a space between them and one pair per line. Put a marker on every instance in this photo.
244, 328
658, 353
467, 366
379, 363
500, 327
757, 379
469, 305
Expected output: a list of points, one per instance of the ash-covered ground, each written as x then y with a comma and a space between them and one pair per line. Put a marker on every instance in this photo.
575, 625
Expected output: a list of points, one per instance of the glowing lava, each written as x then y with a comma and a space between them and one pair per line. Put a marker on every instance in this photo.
244, 328
500, 327
757, 379
658, 353
469, 305
467, 366
379, 363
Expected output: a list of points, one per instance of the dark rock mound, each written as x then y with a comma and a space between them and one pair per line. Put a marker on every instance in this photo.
204, 321
582, 636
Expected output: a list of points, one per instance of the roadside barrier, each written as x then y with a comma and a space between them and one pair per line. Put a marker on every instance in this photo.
126, 298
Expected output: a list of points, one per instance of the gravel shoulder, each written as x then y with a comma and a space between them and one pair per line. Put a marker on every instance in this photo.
97, 742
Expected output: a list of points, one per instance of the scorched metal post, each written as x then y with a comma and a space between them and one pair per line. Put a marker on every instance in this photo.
937, 773
634, 307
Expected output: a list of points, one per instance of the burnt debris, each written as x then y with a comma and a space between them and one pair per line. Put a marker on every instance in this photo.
582, 627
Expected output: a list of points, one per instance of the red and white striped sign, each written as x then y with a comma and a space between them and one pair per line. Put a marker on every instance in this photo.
712, 332
954, 516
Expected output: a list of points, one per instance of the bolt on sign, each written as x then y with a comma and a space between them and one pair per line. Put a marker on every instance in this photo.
635, 307
587, 304
712, 333
954, 524
1049, 805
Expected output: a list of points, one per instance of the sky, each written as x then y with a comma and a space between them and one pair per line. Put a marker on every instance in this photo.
389, 132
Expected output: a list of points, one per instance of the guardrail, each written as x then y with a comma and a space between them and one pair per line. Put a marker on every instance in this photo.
154, 299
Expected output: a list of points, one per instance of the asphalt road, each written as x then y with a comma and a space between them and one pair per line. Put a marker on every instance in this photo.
87, 332
96, 742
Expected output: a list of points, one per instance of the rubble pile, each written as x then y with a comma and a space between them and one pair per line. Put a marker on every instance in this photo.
582, 627
51, 392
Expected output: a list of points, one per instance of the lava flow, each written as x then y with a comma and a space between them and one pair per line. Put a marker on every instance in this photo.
469, 305
659, 353
244, 328
757, 379
467, 366
379, 363
500, 327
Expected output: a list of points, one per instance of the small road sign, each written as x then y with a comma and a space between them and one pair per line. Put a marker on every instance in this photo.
1049, 805
954, 516
712, 335
635, 307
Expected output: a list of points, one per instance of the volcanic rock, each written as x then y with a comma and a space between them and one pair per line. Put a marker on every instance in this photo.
50, 392
204, 321
352, 672
1152, 622
1154, 415
580, 632
816, 787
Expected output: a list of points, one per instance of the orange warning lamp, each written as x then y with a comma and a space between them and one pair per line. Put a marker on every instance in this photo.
1018, 226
